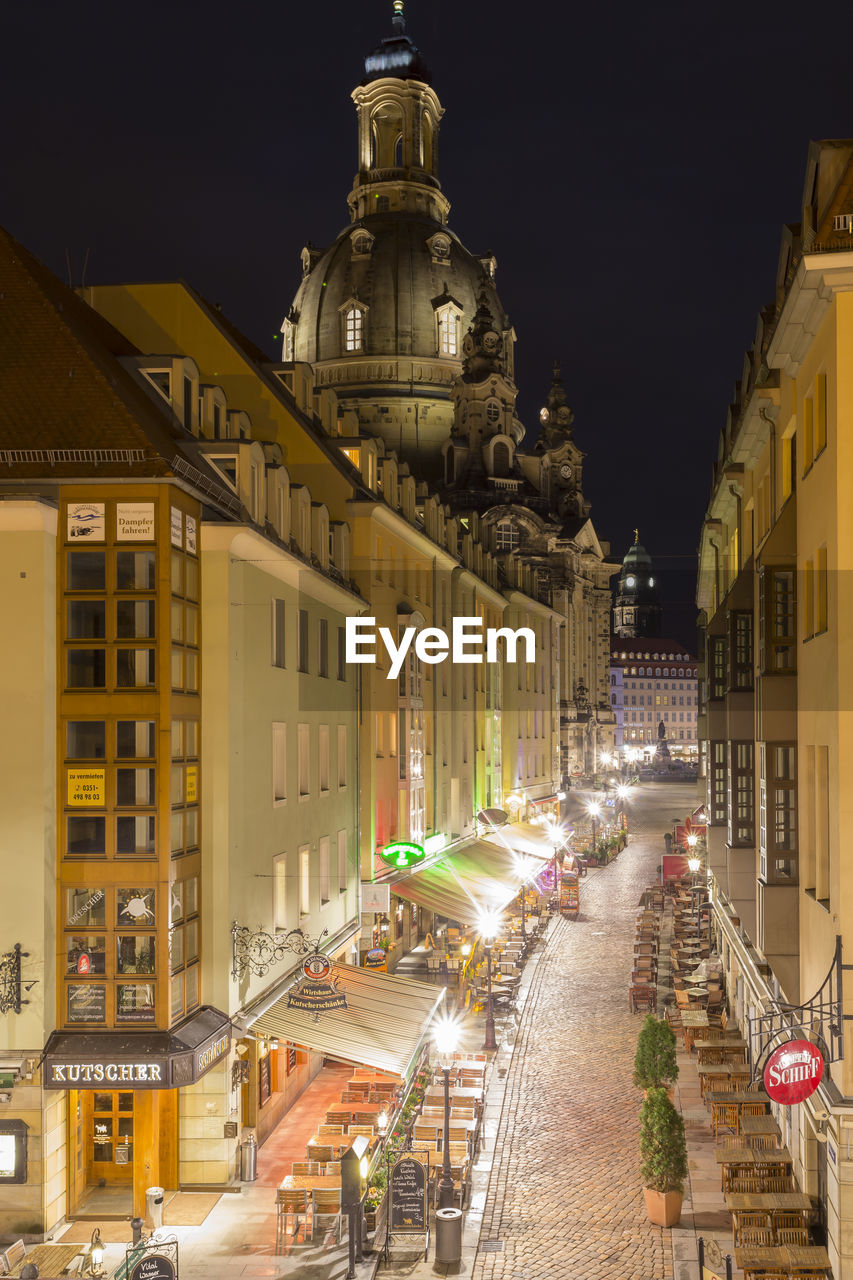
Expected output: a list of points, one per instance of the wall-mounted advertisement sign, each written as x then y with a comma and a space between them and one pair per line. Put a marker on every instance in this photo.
376, 959
86, 522
375, 898
402, 854
793, 1072
135, 1002
87, 788
317, 991
135, 522
190, 534
192, 784
87, 1003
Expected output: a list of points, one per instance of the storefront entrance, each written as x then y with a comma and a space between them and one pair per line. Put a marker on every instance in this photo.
100, 1128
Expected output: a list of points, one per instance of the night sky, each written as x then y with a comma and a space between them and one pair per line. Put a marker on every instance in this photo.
630, 167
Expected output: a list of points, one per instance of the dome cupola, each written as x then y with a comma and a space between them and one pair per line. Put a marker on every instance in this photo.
637, 609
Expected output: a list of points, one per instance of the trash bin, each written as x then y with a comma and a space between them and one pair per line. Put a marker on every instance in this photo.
154, 1197
249, 1159
448, 1235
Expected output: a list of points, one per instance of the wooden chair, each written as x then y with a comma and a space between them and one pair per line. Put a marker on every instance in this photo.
792, 1235
726, 1116
332, 1168
355, 1095
761, 1141
743, 1222
330, 1130
326, 1205
320, 1152
753, 1109
781, 1182
740, 1079
642, 997
290, 1206
339, 1117
787, 1221
362, 1119
366, 1130
305, 1168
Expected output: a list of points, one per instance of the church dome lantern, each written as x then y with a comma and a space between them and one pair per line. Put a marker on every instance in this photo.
637, 610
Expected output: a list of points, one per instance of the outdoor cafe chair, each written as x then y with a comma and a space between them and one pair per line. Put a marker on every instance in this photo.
320, 1153
326, 1205
726, 1115
780, 1182
365, 1130
305, 1168
355, 1095
642, 996
291, 1205
332, 1167
792, 1235
334, 1116
330, 1130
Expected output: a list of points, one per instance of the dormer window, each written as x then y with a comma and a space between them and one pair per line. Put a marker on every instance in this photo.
493, 412
353, 323
362, 243
449, 321
288, 330
439, 247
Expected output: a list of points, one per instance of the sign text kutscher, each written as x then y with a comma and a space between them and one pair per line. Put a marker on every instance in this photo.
62, 1073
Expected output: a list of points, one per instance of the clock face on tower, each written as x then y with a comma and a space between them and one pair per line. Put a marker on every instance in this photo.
566, 471
630, 581
490, 340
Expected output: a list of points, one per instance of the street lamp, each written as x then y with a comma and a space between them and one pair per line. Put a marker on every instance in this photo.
446, 1038
94, 1265
488, 926
556, 836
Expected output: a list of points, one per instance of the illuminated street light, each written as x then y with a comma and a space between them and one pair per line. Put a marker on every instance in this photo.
488, 925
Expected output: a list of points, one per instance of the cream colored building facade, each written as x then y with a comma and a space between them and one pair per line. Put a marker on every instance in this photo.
775, 720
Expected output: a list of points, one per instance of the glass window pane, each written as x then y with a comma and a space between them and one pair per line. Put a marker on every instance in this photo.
191, 738
134, 668
86, 1002
134, 1002
191, 828
191, 625
86, 739
134, 786
176, 902
87, 668
176, 996
135, 836
85, 908
125, 1103
86, 836
177, 621
103, 1102
177, 573
86, 571
177, 739
191, 672
134, 619
176, 949
191, 896
176, 828
135, 907
176, 784
191, 987
135, 953
135, 739
191, 570
85, 953
86, 620
177, 668
135, 571
191, 940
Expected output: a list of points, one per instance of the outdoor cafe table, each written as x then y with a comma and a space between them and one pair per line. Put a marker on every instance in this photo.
732, 1095
311, 1182
694, 1018
435, 1093
720, 1044
750, 1156
760, 1126
756, 1258
767, 1202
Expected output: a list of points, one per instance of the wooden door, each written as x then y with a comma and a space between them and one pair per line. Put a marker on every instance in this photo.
108, 1130
77, 1170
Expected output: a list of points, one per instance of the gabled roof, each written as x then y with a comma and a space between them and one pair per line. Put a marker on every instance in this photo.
63, 386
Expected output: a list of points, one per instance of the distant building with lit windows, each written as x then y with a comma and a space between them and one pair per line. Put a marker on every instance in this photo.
654, 681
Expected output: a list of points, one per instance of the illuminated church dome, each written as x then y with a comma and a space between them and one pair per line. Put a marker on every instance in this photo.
381, 313
637, 609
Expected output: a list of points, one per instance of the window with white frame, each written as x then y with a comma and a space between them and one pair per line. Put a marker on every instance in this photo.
342, 861
342, 755
304, 760
323, 758
448, 320
287, 334
304, 879
277, 622
324, 848
507, 536
279, 893
353, 328
279, 763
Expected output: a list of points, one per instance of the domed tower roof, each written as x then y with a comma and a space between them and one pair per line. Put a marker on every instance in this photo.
381, 314
637, 610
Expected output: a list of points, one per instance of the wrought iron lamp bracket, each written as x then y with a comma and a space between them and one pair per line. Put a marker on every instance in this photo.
11, 985
820, 1019
260, 950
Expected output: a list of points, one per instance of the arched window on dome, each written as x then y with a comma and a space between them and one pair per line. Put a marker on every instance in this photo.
507, 536
353, 321
448, 321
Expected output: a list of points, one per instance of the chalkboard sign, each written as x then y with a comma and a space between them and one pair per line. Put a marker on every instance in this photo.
409, 1197
264, 1079
153, 1267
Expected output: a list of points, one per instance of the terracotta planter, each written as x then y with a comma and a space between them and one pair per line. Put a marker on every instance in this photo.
663, 1207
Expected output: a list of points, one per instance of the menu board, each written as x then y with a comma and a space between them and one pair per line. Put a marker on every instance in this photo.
87, 1003
264, 1079
409, 1197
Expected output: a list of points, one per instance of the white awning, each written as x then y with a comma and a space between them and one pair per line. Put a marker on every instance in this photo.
385, 1024
482, 876
525, 837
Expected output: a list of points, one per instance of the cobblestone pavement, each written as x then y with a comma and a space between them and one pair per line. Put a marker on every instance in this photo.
564, 1197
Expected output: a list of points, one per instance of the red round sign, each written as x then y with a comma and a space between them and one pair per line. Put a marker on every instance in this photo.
83, 965
317, 966
793, 1072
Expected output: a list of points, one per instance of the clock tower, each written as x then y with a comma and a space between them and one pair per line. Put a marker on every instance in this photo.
637, 610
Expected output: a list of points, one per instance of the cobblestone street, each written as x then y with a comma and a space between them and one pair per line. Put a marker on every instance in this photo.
564, 1197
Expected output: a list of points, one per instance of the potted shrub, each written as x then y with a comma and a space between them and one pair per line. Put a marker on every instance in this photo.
655, 1064
663, 1151
372, 1201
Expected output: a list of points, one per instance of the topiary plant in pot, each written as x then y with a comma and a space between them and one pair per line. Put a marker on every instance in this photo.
655, 1063
663, 1152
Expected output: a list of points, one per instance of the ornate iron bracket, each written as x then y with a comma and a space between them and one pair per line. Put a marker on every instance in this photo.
258, 951
10, 980
821, 1019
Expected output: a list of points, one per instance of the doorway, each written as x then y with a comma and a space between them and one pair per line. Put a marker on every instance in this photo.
100, 1128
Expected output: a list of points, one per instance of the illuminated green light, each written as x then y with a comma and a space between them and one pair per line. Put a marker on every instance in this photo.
402, 854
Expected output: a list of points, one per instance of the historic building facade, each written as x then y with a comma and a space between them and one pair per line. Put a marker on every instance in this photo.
776, 741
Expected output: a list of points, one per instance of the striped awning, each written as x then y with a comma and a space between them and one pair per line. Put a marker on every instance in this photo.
524, 837
385, 1024
482, 876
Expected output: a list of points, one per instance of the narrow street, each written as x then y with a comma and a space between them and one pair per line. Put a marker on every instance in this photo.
564, 1198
